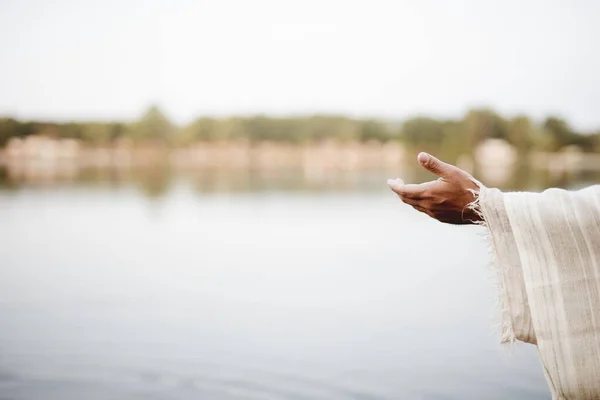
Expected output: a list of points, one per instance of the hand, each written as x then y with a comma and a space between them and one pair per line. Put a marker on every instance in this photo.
445, 199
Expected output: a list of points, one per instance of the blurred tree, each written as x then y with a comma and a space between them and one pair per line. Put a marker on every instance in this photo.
153, 125
596, 142
201, 129
450, 138
454, 141
373, 130
117, 130
98, 134
9, 128
560, 134
71, 130
520, 134
484, 124
558, 131
422, 131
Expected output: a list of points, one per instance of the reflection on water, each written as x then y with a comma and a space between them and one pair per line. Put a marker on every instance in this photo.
243, 285
156, 180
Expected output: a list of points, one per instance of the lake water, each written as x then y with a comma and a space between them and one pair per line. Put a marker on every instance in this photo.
270, 293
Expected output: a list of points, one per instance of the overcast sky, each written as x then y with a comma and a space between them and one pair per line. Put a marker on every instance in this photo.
110, 59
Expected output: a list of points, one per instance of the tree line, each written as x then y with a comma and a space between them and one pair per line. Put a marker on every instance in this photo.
453, 136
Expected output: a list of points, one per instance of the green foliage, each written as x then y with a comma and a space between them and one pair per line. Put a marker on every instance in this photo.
153, 125
373, 130
454, 141
450, 138
10, 128
558, 132
293, 129
422, 131
520, 133
485, 124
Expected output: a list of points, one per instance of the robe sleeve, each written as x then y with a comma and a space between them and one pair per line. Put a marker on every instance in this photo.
546, 248
515, 316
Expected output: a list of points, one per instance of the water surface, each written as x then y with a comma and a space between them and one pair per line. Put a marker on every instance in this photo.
269, 293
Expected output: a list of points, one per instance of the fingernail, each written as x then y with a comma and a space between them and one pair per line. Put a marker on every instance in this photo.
391, 182
423, 157
399, 181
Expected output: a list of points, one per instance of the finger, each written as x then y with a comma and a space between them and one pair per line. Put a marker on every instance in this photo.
419, 205
411, 202
395, 184
438, 167
423, 210
412, 191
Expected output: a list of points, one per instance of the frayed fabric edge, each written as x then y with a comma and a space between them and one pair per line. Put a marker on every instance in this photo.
502, 320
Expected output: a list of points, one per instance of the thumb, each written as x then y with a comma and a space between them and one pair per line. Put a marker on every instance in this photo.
436, 166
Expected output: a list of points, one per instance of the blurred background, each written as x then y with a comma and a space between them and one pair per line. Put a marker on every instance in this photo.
193, 198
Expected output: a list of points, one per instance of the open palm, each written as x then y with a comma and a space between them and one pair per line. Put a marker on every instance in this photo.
445, 199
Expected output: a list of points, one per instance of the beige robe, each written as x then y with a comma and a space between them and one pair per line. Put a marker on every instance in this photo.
546, 249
